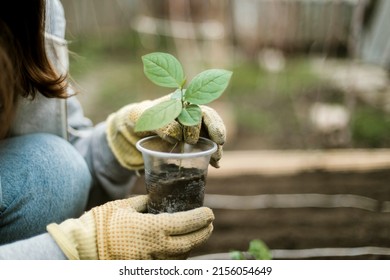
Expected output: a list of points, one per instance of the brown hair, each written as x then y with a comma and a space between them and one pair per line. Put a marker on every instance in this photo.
24, 66
7, 93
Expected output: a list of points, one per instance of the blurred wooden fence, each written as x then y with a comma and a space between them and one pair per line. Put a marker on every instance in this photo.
251, 24
293, 24
98, 17
325, 26
374, 46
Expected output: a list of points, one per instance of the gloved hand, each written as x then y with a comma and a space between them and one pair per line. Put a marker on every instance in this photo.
119, 230
122, 138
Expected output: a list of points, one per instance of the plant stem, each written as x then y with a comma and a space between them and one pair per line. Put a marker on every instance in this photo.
181, 151
182, 143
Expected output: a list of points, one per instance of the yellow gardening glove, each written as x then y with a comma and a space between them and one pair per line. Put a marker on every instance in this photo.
122, 138
119, 230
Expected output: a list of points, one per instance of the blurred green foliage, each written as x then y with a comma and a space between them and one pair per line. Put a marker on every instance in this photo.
257, 250
370, 127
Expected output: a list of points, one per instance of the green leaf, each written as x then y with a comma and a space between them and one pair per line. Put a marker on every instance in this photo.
190, 115
259, 250
159, 115
207, 86
163, 69
236, 255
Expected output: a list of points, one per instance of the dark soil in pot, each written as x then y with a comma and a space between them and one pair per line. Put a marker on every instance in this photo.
175, 189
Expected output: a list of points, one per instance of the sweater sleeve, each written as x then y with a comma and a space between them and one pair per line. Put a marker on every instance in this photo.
111, 180
41, 247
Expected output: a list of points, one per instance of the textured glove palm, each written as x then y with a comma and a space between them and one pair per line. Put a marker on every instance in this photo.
122, 138
119, 230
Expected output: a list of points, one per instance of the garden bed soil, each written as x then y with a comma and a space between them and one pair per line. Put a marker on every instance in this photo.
301, 227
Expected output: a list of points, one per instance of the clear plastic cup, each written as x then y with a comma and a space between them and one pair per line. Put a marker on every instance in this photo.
175, 175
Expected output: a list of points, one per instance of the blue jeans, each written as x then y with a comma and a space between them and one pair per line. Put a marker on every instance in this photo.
43, 179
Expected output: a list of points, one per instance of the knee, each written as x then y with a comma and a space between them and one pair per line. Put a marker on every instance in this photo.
43, 180
66, 169
52, 171
60, 158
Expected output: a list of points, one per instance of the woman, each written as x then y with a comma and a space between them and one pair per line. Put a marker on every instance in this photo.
54, 164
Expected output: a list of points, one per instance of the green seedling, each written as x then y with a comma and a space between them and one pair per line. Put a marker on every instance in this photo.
257, 250
165, 70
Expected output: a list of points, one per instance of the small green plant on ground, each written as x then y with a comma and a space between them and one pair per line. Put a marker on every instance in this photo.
257, 250
165, 70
